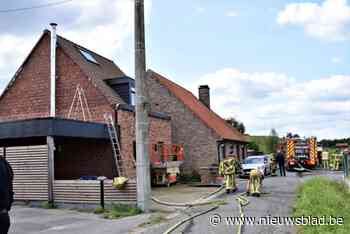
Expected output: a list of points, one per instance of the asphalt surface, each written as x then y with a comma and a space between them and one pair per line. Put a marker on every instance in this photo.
276, 201
26, 220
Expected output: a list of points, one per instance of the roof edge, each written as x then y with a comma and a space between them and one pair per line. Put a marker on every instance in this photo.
149, 74
20, 68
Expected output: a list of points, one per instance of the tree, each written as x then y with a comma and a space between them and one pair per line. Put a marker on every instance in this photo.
252, 145
273, 133
236, 124
273, 140
241, 127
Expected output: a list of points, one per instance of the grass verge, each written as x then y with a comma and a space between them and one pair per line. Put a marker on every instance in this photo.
154, 219
118, 211
48, 205
321, 197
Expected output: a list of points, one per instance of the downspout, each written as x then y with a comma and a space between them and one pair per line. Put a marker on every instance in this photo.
53, 70
220, 145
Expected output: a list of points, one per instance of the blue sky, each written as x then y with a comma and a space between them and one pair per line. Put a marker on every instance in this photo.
271, 64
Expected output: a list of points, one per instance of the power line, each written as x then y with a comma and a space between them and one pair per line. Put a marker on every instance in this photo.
34, 7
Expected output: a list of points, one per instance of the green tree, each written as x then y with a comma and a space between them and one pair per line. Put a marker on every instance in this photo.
252, 145
236, 124
273, 141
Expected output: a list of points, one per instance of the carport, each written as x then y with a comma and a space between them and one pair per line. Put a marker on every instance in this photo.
50, 155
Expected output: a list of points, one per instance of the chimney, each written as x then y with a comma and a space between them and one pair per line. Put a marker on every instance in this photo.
204, 95
53, 71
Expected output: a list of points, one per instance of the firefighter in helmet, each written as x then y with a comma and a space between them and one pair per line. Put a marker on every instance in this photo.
337, 159
254, 183
273, 166
227, 168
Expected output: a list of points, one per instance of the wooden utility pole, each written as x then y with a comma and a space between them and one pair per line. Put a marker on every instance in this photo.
142, 110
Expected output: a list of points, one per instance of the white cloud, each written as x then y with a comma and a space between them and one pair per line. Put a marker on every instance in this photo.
106, 30
329, 20
13, 51
336, 60
272, 100
231, 13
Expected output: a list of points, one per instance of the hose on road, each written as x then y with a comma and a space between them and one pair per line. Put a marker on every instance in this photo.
190, 204
172, 228
242, 201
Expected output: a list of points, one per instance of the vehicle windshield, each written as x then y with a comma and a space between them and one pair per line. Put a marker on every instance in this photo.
253, 160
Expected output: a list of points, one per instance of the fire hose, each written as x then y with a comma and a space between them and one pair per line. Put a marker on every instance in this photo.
191, 204
171, 229
188, 205
242, 201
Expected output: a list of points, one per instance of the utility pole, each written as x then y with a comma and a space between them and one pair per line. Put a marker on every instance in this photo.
142, 109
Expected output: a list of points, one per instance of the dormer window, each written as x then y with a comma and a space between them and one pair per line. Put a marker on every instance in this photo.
132, 96
88, 56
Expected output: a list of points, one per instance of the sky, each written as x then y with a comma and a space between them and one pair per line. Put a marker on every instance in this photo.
270, 64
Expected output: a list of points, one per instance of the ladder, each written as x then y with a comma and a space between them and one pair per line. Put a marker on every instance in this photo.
79, 98
113, 135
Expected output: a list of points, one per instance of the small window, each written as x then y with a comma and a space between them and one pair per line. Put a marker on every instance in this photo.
88, 56
132, 96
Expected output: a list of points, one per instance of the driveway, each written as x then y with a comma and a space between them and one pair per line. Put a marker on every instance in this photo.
27, 220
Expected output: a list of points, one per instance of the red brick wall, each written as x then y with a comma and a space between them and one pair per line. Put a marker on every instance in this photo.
29, 97
83, 157
160, 132
69, 76
200, 142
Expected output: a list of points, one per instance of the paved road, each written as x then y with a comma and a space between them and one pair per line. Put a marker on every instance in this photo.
277, 201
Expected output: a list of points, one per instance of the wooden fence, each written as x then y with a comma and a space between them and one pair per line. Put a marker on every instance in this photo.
29, 164
80, 191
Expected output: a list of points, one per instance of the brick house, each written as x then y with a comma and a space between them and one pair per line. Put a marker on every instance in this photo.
207, 137
81, 143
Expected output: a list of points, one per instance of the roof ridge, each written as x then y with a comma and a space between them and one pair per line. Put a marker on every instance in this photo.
211, 114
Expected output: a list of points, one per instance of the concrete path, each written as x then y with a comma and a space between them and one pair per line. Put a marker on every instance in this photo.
36, 220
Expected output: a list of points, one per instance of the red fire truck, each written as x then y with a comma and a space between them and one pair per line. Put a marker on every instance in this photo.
300, 151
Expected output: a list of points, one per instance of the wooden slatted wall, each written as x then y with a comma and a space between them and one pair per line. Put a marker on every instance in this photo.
80, 191
30, 167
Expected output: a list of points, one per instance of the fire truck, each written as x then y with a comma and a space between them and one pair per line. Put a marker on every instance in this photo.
166, 160
300, 151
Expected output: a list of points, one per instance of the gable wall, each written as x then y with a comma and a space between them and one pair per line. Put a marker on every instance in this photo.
199, 140
29, 96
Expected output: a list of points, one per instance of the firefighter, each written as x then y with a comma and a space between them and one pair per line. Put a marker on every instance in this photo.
254, 183
227, 168
337, 159
325, 157
273, 166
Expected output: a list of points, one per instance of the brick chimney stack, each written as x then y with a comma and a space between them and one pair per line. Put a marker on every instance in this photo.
204, 95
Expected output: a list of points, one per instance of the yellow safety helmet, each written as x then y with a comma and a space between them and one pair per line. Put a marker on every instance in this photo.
253, 173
